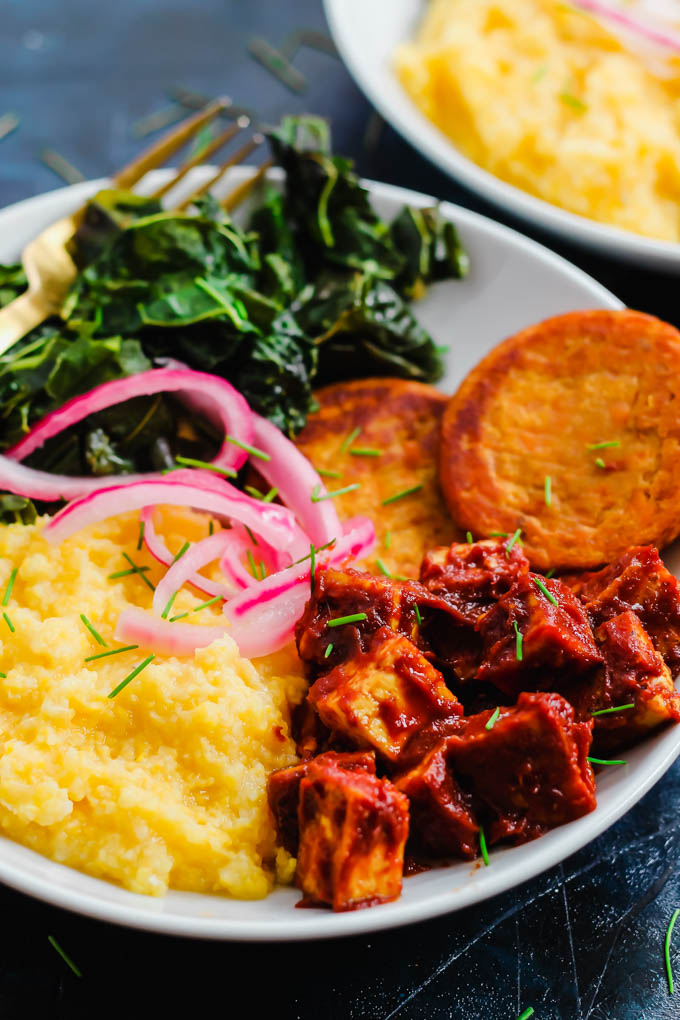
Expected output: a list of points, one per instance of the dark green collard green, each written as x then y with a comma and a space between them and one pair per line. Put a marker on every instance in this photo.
313, 290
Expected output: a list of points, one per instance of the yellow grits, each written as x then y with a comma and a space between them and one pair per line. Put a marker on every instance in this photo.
164, 785
544, 97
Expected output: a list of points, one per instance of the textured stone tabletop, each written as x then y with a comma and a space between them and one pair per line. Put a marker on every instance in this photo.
582, 942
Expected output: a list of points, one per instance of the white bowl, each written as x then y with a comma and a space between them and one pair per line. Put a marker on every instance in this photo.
513, 282
367, 35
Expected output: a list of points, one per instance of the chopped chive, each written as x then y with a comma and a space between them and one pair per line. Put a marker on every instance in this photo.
67, 959
252, 450
603, 446
618, 708
328, 474
168, 606
541, 587
348, 440
8, 122
482, 846
518, 642
365, 451
400, 495
607, 761
468, 537
547, 490
8, 622
667, 950
140, 540
492, 718
312, 569
255, 493
263, 570
515, 537
10, 585
139, 570
181, 552
272, 494
197, 609
3, 675
95, 634
131, 676
526, 1014
329, 649
206, 466
319, 548
382, 568
599, 462
211, 526
498, 534
277, 64
127, 573
418, 616
316, 498
251, 563
353, 618
387, 539
539, 73
400, 577
61, 166
550, 573
250, 535
180, 616
573, 102
112, 651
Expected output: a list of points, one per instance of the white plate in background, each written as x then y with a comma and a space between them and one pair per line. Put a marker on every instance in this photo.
367, 33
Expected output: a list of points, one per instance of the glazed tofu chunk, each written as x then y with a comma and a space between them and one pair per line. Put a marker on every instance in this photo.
353, 830
537, 641
638, 580
471, 577
529, 772
443, 823
635, 675
283, 791
383, 698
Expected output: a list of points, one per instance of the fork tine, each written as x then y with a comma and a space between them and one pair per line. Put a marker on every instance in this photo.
238, 157
172, 140
201, 156
236, 196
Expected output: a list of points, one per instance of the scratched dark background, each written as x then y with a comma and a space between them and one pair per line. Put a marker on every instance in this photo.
582, 942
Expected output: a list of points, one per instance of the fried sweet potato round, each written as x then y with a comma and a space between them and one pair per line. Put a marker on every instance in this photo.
397, 448
570, 430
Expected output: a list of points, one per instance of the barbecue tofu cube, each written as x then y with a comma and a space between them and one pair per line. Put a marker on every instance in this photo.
443, 823
470, 578
638, 580
529, 772
383, 601
283, 791
557, 645
635, 674
384, 697
353, 829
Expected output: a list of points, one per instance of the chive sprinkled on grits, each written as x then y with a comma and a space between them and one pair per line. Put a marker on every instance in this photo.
165, 784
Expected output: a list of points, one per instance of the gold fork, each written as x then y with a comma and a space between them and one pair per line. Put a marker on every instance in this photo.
49, 268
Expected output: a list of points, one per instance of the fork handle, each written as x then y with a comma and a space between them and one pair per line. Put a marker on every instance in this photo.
19, 317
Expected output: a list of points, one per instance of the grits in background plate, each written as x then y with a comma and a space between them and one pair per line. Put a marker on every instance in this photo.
546, 98
399, 421
165, 784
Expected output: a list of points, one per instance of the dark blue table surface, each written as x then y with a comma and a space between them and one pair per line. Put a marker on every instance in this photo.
582, 942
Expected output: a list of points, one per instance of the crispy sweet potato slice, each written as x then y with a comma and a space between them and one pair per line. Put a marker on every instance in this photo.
532, 408
400, 419
353, 829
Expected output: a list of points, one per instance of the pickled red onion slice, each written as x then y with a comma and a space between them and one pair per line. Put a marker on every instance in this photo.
217, 399
184, 569
136, 626
289, 471
181, 488
634, 24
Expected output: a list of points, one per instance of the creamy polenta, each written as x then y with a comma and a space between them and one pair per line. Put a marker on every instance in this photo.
543, 96
165, 784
